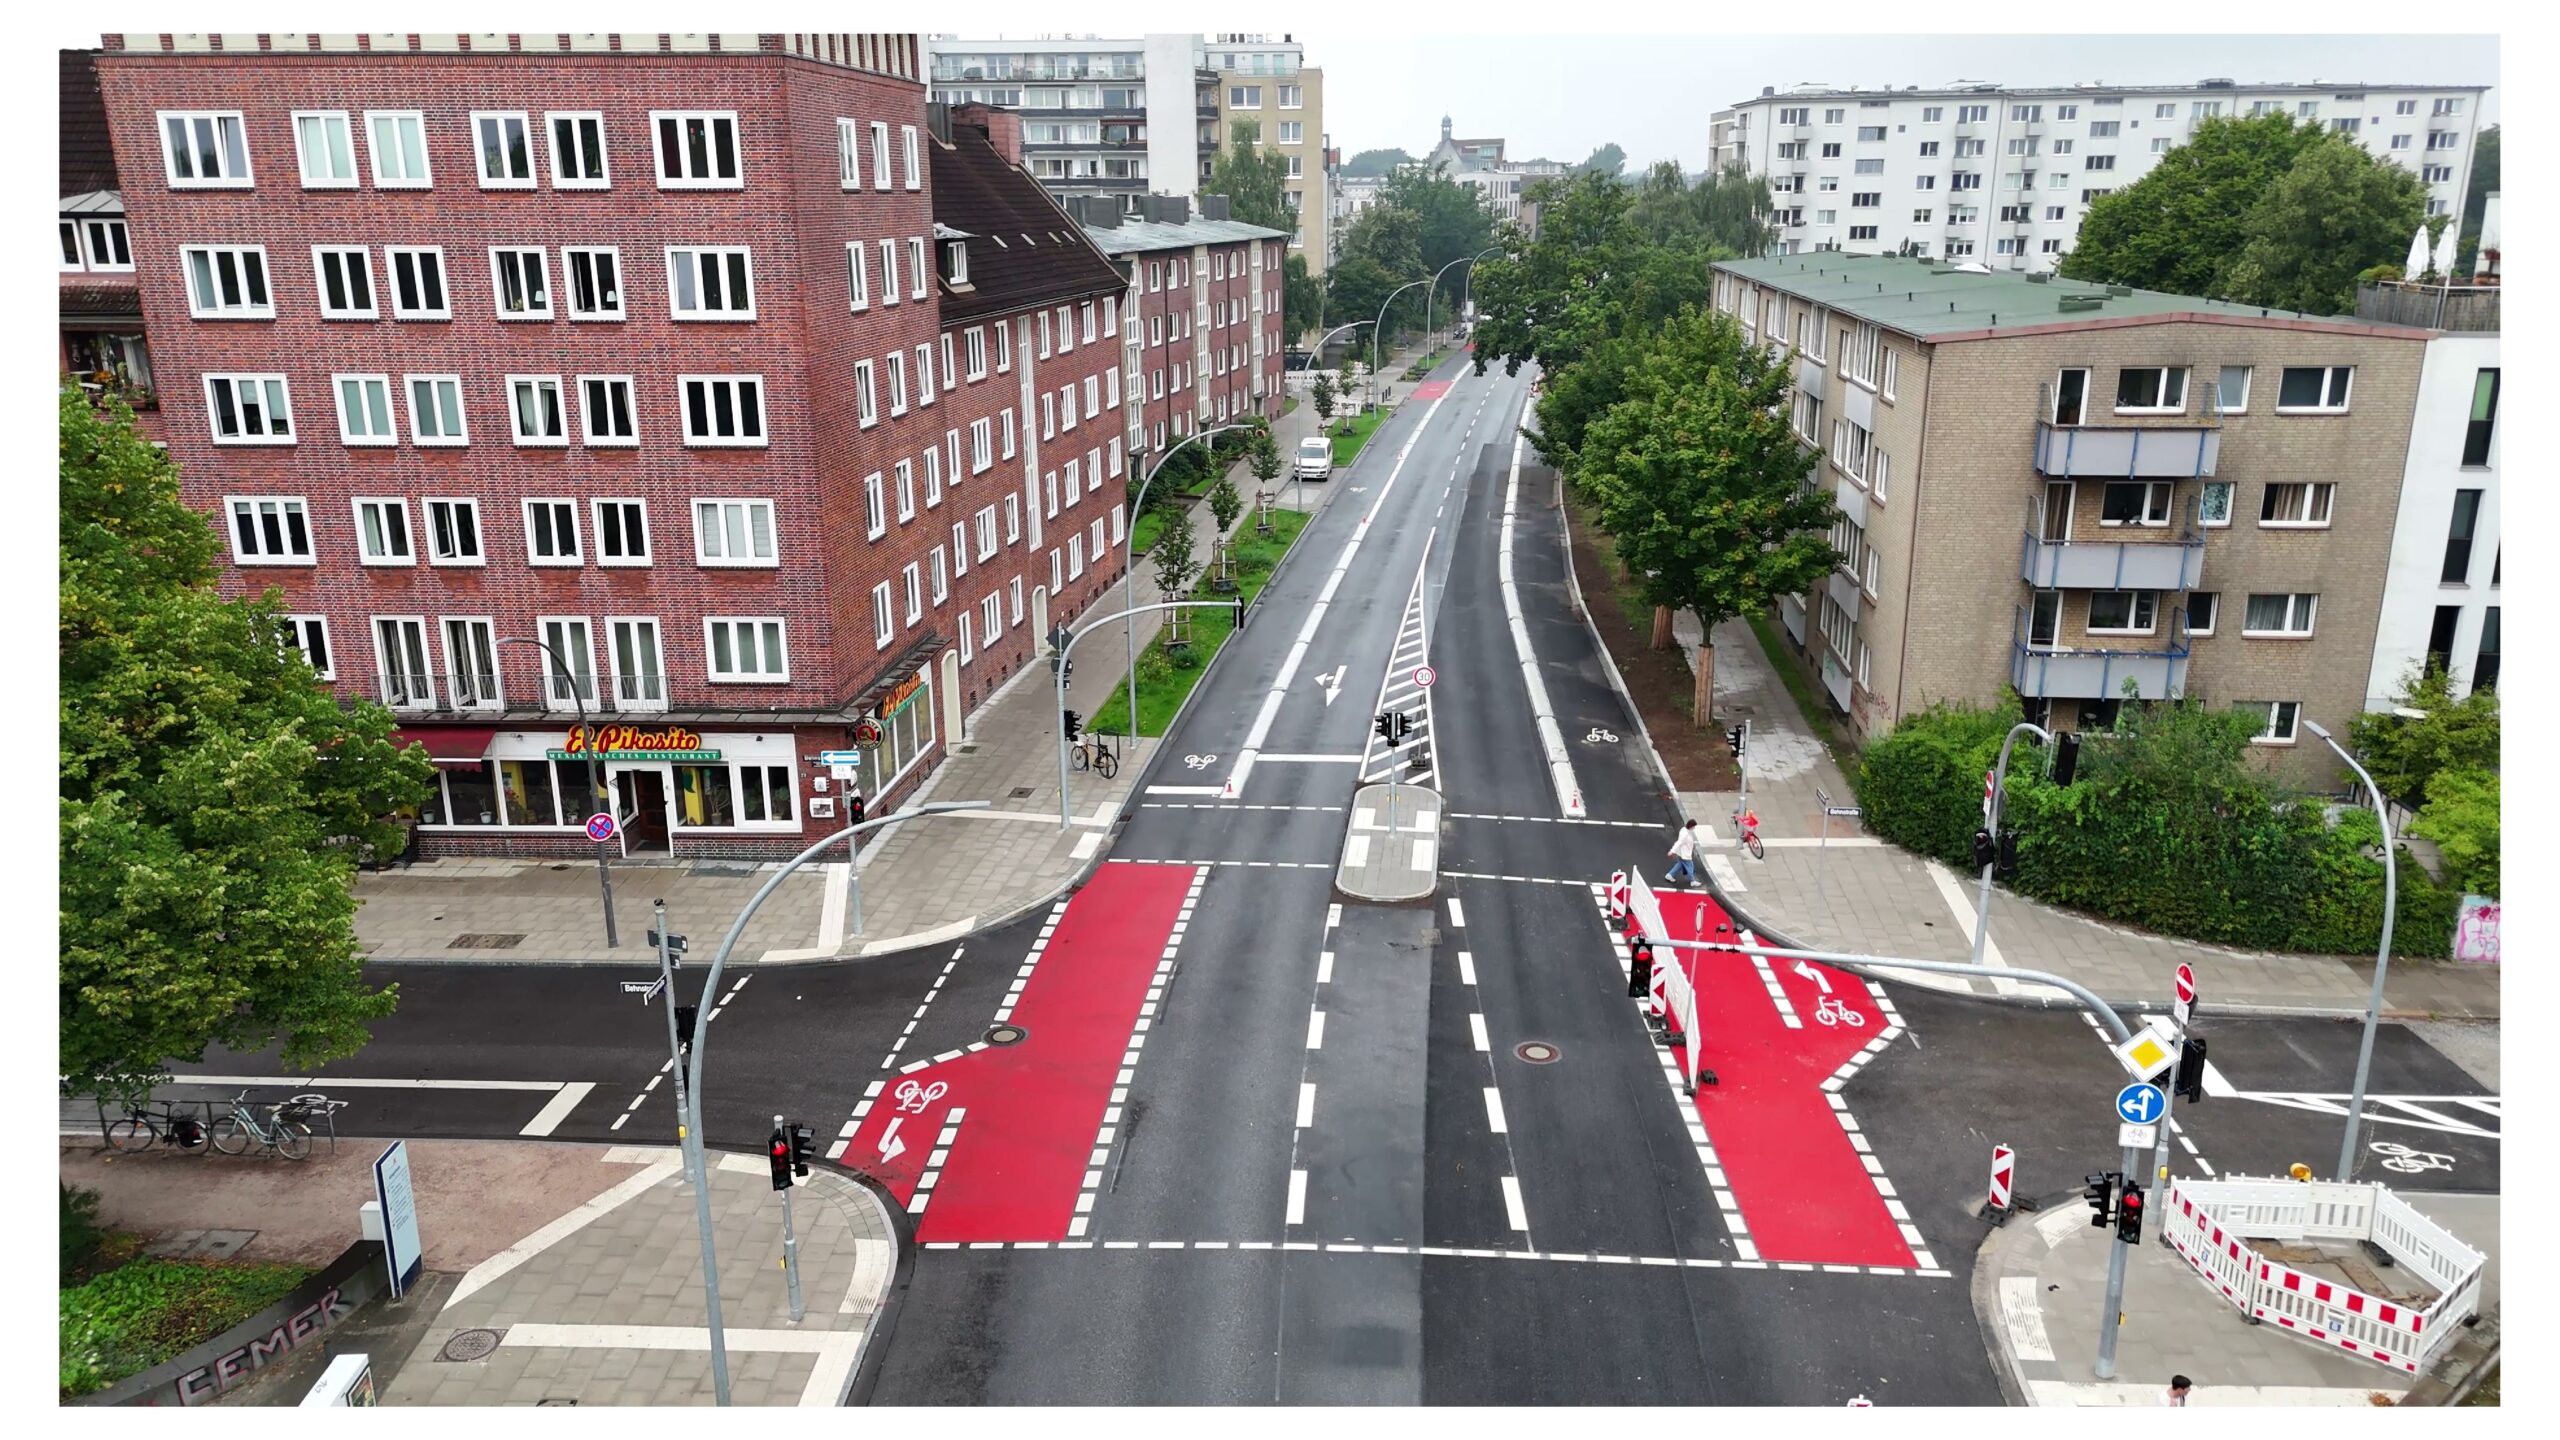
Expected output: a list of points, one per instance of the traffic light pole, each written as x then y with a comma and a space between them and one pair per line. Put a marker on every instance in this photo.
1991, 822
790, 1238
1066, 816
689, 1147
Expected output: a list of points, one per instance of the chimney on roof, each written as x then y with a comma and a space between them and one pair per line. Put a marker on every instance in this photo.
1768, 90
1003, 129
937, 118
1213, 207
1094, 212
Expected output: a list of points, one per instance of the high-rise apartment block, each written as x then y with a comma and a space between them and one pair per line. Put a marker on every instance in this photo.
2003, 176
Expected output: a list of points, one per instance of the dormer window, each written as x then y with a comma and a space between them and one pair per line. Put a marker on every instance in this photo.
955, 263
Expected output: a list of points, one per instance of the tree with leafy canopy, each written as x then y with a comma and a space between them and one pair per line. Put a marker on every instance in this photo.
1352, 370
1177, 565
2461, 817
2405, 755
1301, 299
1701, 483
1375, 162
1607, 161
215, 795
1321, 395
1253, 177
2335, 211
1382, 251
1451, 225
1263, 459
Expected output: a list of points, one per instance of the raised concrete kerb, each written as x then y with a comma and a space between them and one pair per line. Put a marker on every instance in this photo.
1392, 850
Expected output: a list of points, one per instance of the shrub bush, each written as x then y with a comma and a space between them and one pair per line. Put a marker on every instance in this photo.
1921, 785
139, 1315
81, 1235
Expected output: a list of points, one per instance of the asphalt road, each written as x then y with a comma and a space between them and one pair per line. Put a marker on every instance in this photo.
1380, 1154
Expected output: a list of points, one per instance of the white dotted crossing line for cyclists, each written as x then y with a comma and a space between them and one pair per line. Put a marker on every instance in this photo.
1099, 1162
1444, 1252
934, 1162
1031, 961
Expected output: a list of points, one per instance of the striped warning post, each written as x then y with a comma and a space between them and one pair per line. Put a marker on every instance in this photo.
2004, 1173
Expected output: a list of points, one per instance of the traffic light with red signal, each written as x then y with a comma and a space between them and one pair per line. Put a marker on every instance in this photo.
779, 1149
2129, 1214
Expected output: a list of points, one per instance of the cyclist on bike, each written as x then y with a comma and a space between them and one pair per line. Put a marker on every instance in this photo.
1751, 831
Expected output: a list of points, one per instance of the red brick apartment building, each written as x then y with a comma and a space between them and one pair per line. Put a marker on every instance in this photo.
713, 367
103, 345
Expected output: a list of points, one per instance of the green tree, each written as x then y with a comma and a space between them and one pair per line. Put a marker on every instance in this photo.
1450, 224
2475, 199
1376, 162
1301, 300
1382, 250
1322, 395
2176, 227
214, 796
1607, 161
1702, 483
1263, 460
1253, 178
1225, 504
2335, 211
2406, 754
1352, 370
1177, 566
2461, 816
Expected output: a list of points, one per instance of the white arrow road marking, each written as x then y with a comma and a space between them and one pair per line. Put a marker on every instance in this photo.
1331, 683
891, 1147
1816, 976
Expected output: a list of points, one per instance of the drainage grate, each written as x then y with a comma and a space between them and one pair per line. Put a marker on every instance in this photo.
469, 1345
1537, 1052
1021, 792
1006, 1034
485, 942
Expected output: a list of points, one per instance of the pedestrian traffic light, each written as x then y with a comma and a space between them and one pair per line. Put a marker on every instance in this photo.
1733, 741
2099, 1191
1639, 967
1404, 726
2005, 861
804, 1148
779, 1147
2129, 1214
853, 807
2190, 1081
1388, 729
2066, 757
1984, 852
1068, 667
1071, 722
1239, 614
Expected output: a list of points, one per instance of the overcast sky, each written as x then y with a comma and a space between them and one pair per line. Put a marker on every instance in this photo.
1562, 96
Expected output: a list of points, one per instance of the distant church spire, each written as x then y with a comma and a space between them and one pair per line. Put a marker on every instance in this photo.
1444, 127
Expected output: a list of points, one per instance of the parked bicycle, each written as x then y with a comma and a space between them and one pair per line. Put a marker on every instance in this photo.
142, 1127
1094, 755
282, 1130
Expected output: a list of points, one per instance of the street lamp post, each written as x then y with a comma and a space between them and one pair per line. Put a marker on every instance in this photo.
1427, 295
1999, 801
595, 778
1381, 324
1129, 559
1466, 293
1297, 486
2382, 953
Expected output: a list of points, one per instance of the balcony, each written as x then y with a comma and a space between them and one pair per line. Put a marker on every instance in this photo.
2061, 672
2111, 564
2126, 452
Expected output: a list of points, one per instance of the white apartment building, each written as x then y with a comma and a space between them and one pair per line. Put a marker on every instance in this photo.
2440, 594
2003, 175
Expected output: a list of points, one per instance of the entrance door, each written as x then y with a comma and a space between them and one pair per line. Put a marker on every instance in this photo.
2057, 510
950, 696
2044, 618
1040, 613
640, 808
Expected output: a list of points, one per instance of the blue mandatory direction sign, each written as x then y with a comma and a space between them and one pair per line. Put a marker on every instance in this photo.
2140, 1104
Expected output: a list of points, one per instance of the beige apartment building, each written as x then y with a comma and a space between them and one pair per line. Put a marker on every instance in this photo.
1268, 83
2088, 492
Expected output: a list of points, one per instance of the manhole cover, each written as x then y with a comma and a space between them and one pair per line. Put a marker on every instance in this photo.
471, 1345
485, 942
1537, 1052
1006, 1034
1021, 792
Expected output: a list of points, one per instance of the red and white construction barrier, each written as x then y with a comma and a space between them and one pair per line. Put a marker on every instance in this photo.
2211, 1223
2004, 1174
1673, 998
1618, 895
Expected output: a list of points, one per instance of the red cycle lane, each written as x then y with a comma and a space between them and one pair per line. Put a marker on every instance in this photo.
1804, 1189
1023, 1118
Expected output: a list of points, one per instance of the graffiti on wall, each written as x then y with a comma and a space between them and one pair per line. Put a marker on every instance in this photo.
235, 1365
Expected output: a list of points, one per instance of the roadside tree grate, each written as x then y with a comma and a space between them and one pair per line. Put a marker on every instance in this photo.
468, 1345
1538, 1052
485, 941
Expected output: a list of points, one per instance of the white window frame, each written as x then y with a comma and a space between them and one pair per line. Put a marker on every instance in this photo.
848, 153
560, 179
658, 153
2276, 716
392, 255
737, 385
302, 154
220, 121
950, 372
2248, 379
499, 256
904, 483
941, 576
1004, 347
919, 270
285, 509
587, 411
424, 696
876, 505
657, 659
1013, 598
559, 407
974, 346
780, 643
577, 666
425, 179
2164, 372
300, 629
371, 386
719, 510
406, 555
569, 256
480, 149
2158, 498
912, 155
888, 273
557, 506
2336, 394
925, 391
1013, 518
2301, 616
439, 512
1006, 427
2133, 613
982, 445
2318, 496
879, 154
213, 307
272, 388
932, 477
857, 272
986, 522
362, 260
884, 620
690, 258
461, 417
896, 361
2213, 604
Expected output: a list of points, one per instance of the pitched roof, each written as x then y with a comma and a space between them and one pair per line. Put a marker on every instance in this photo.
1024, 252
88, 155
94, 301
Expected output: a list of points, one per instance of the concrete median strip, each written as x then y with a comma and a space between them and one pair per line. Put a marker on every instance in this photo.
1379, 863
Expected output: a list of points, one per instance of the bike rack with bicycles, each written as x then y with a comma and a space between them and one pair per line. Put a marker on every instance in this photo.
160, 1117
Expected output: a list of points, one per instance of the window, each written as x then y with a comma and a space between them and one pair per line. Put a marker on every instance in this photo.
2281, 717
364, 410
522, 284
2484, 419
2231, 392
417, 283
2152, 389
2123, 612
974, 341
897, 382
453, 531
639, 663
2103, 129
919, 275
345, 275
568, 664
2098, 162
1075, 557
1244, 97
1012, 519
2136, 503
228, 282
310, 637
875, 506
605, 409
888, 272
1892, 372
270, 530
723, 409
932, 477
504, 150
1048, 416
710, 283
249, 409
400, 649
2279, 614
1928, 150
205, 149
577, 151
2203, 606
1879, 473
2484, 664
1004, 420
697, 150
397, 141
848, 154
915, 170
879, 154
1004, 350
906, 473
382, 533
2213, 504
534, 402
950, 372
941, 574
924, 375
911, 580
730, 533
2314, 388
884, 622
959, 547
2448, 106
981, 445
551, 532
1013, 598
2296, 504
2459, 535
326, 149
435, 410
595, 283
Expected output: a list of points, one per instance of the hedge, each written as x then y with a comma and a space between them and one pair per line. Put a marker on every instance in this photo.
2167, 825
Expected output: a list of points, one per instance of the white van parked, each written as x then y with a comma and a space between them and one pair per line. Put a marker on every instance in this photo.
1315, 459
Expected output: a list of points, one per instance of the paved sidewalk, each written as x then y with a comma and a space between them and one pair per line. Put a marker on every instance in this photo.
1862, 895
2040, 1290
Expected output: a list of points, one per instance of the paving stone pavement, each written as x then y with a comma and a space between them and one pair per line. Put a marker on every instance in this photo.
1862, 895
604, 1306
2041, 1288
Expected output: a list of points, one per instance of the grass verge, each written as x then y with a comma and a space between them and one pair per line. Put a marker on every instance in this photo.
147, 1312
1817, 716
1164, 680
1349, 435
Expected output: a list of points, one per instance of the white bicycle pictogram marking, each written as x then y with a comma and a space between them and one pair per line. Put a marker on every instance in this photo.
1830, 1011
912, 1097
1600, 736
2407, 1161
1199, 762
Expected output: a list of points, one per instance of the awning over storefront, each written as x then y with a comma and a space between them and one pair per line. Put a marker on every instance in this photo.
450, 744
914, 659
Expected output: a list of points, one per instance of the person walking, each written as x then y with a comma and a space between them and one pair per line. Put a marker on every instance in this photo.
1684, 855
2176, 1394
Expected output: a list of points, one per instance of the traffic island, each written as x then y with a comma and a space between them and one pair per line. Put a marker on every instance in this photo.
1392, 851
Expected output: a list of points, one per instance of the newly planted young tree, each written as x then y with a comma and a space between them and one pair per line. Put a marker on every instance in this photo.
1323, 395
1177, 566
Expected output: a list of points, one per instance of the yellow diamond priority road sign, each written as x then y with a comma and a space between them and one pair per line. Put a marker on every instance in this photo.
2147, 1054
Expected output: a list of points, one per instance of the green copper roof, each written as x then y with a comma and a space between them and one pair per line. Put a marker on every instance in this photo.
1927, 299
